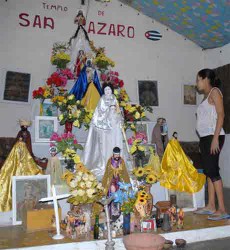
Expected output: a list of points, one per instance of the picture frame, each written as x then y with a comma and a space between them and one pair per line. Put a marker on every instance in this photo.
49, 109
26, 192
45, 126
143, 126
148, 93
15, 86
189, 94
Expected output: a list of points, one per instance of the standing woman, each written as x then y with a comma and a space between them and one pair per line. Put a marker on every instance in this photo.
210, 118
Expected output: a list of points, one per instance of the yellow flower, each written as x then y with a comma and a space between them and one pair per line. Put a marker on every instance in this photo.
142, 201
148, 169
122, 104
76, 123
151, 179
132, 109
141, 148
139, 172
60, 117
143, 114
115, 92
76, 159
133, 126
133, 149
137, 115
71, 97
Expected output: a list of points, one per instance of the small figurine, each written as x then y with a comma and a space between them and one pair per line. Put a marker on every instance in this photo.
80, 19
180, 222
115, 172
54, 168
172, 215
80, 62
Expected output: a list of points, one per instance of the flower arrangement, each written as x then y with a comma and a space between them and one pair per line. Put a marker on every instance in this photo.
137, 144
43, 92
72, 111
113, 78
146, 175
103, 62
129, 198
84, 187
66, 144
60, 78
59, 57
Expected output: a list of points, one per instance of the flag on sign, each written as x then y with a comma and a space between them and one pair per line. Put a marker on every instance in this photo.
153, 35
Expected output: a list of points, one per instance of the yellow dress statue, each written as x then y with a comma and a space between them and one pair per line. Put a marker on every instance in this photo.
177, 172
19, 162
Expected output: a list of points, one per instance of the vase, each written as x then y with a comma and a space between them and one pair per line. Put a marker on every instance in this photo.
68, 127
149, 204
41, 107
126, 224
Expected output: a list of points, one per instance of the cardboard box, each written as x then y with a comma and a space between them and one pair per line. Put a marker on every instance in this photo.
40, 218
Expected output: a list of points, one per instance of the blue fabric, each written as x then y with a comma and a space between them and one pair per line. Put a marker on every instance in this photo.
81, 85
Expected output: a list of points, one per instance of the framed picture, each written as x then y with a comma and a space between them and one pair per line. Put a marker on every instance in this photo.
49, 109
15, 87
189, 94
148, 93
44, 127
26, 193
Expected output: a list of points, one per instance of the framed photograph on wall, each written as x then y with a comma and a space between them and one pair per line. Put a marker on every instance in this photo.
26, 193
148, 93
189, 94
15, 86
44, 127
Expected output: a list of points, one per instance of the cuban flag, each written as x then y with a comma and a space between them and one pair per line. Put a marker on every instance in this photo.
153, 35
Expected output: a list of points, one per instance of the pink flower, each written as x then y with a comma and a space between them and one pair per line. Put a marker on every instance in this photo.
74, 141
130, 141
141, 136
52, 144
64, 136
54, 136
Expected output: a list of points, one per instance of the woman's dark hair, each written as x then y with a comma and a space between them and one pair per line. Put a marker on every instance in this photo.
210, 74
107, 84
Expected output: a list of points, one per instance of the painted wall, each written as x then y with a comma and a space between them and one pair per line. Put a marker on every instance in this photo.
215, 58
172, 61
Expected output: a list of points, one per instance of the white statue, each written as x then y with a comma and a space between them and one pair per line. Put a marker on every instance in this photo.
105, 133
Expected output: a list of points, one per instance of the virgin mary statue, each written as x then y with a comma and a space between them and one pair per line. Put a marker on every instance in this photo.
105, 133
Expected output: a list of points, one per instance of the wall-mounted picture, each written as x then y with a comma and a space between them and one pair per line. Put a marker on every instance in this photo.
189, 94
15, 87
44, 127
148, 93
26, 193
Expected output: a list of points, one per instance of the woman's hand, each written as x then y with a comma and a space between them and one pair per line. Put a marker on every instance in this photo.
215, 149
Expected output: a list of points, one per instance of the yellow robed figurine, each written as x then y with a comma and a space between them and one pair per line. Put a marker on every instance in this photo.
177, 172
19, 162
115, 172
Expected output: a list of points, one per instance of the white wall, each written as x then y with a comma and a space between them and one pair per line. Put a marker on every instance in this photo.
215, 58
171, 61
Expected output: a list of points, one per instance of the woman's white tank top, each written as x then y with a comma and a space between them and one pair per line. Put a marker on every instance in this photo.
207, 118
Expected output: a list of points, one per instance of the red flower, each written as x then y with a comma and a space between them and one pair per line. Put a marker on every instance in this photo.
121, 83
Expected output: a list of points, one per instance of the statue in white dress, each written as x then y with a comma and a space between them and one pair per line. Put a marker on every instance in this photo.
105, 133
